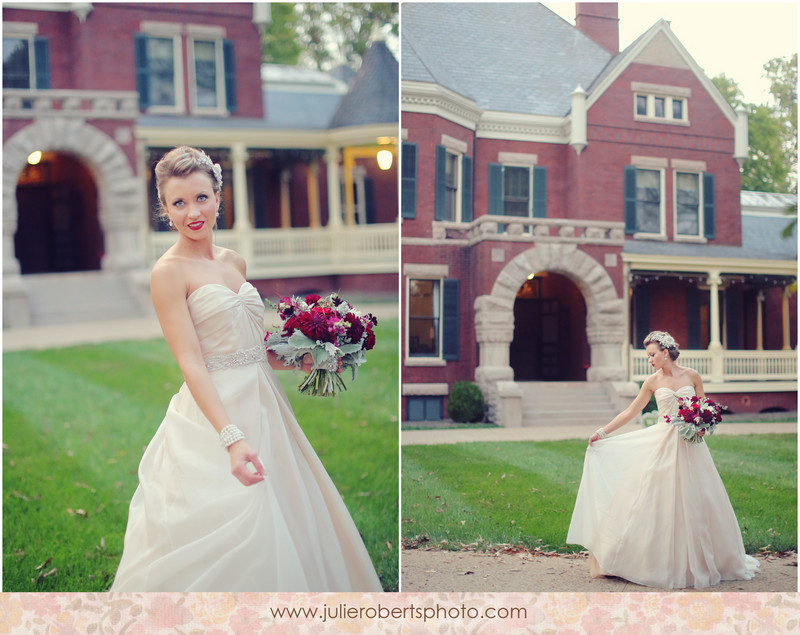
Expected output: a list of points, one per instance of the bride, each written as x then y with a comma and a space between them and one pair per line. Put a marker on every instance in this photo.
231, 495
651, 507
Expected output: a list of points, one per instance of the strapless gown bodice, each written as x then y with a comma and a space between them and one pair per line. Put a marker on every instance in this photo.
652, 509
192, 526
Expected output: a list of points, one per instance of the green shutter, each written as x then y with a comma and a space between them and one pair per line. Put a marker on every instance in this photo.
450, 334
708, 205
496, 189
441, 184
408, 202
694, 299
630, 200
230, 75
140, 56
466, 189
641, 310
540, 192
41, 51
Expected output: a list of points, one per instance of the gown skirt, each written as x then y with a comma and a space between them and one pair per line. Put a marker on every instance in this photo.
192, 526
652, 509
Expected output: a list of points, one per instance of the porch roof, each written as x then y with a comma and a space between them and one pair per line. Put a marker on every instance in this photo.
761, 240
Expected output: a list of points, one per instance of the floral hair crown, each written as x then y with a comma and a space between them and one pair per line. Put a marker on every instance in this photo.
664, 339
206, 161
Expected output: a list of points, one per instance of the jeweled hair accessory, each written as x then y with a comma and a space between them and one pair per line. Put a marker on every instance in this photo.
664, 339
205, 160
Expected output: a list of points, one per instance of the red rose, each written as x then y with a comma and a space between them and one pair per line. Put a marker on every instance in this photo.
312, 299
291, 325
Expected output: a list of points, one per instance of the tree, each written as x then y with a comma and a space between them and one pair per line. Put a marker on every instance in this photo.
772, 164
326, 33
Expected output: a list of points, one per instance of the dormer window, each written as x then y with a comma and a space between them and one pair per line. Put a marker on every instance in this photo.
660, 104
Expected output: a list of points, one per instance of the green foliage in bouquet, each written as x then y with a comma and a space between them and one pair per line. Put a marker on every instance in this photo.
466, 404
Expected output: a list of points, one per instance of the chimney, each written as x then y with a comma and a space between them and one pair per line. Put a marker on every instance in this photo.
599, 21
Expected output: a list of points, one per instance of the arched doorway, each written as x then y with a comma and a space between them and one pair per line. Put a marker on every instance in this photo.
550, 341
58, 228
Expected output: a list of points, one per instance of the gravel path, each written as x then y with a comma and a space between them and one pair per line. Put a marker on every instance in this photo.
462, 571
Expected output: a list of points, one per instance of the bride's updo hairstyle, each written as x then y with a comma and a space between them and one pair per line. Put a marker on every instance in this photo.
181, 162
665, 342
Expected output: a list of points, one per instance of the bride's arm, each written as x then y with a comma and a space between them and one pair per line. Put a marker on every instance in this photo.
626, 415
168, 291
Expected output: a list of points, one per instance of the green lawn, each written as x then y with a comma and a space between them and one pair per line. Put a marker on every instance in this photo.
523, 493
75, 424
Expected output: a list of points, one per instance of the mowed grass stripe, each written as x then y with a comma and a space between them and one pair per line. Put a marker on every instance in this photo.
534, 484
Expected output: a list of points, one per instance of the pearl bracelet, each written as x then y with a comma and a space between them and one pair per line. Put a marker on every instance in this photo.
229, 435
601, 433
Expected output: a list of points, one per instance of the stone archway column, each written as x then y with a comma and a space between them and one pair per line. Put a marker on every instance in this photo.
494, 331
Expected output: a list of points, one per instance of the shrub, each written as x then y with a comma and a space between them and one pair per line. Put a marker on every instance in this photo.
466, 403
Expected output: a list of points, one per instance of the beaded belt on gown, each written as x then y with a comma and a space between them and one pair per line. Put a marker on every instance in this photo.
240, 358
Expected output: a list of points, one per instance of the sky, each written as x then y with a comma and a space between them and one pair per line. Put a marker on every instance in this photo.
734, 38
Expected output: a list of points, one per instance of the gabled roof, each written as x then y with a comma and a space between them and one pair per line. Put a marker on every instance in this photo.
299, 98
658, 46
373, 95
511, 57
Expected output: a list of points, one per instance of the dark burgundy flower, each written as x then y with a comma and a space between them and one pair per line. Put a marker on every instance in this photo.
314, 324
356, 330
292, 324
707, 416
312, 299
369, 340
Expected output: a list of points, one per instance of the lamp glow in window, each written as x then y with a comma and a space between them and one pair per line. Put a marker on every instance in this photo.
384, 159
35, 157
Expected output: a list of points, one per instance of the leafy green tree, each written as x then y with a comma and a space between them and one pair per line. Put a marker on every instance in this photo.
782, 73
280, 43
327, 33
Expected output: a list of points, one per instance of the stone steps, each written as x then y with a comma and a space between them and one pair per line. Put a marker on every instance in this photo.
80, 297
565, 403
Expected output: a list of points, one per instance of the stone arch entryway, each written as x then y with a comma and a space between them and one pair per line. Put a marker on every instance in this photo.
120, 201
494, 321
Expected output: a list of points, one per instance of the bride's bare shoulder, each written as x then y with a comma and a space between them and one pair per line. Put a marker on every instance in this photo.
229, 256
169, 271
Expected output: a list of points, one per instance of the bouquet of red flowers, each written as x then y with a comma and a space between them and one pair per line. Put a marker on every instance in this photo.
696, 414
335, 334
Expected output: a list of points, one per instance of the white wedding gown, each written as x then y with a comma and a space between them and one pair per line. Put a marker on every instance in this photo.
652, 509
193, 526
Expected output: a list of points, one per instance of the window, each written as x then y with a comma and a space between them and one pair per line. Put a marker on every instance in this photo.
518, 190
453, 196
433, 321
643, 201
424, 316
158, 73
211, 75
26, 62
662, 109
687, 204
424, 408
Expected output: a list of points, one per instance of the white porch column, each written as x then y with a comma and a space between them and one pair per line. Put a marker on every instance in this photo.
787, 341
241, 203
334, 191
760, 321
715, 346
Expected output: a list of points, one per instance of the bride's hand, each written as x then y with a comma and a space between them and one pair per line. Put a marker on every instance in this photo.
593, 438
241, 454
307, 365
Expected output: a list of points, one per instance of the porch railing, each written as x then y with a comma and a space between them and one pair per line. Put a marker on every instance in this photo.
304, 251
735, 365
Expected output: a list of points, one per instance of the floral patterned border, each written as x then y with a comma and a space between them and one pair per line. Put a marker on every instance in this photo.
564, 613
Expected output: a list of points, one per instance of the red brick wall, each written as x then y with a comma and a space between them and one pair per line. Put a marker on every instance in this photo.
99, 55
740, 402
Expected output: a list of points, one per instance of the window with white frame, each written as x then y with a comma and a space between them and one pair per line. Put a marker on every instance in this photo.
453, 178
209, 57
424, 317
644, 201
688, 211
26, 57
159, 77
517, 190
659, 103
